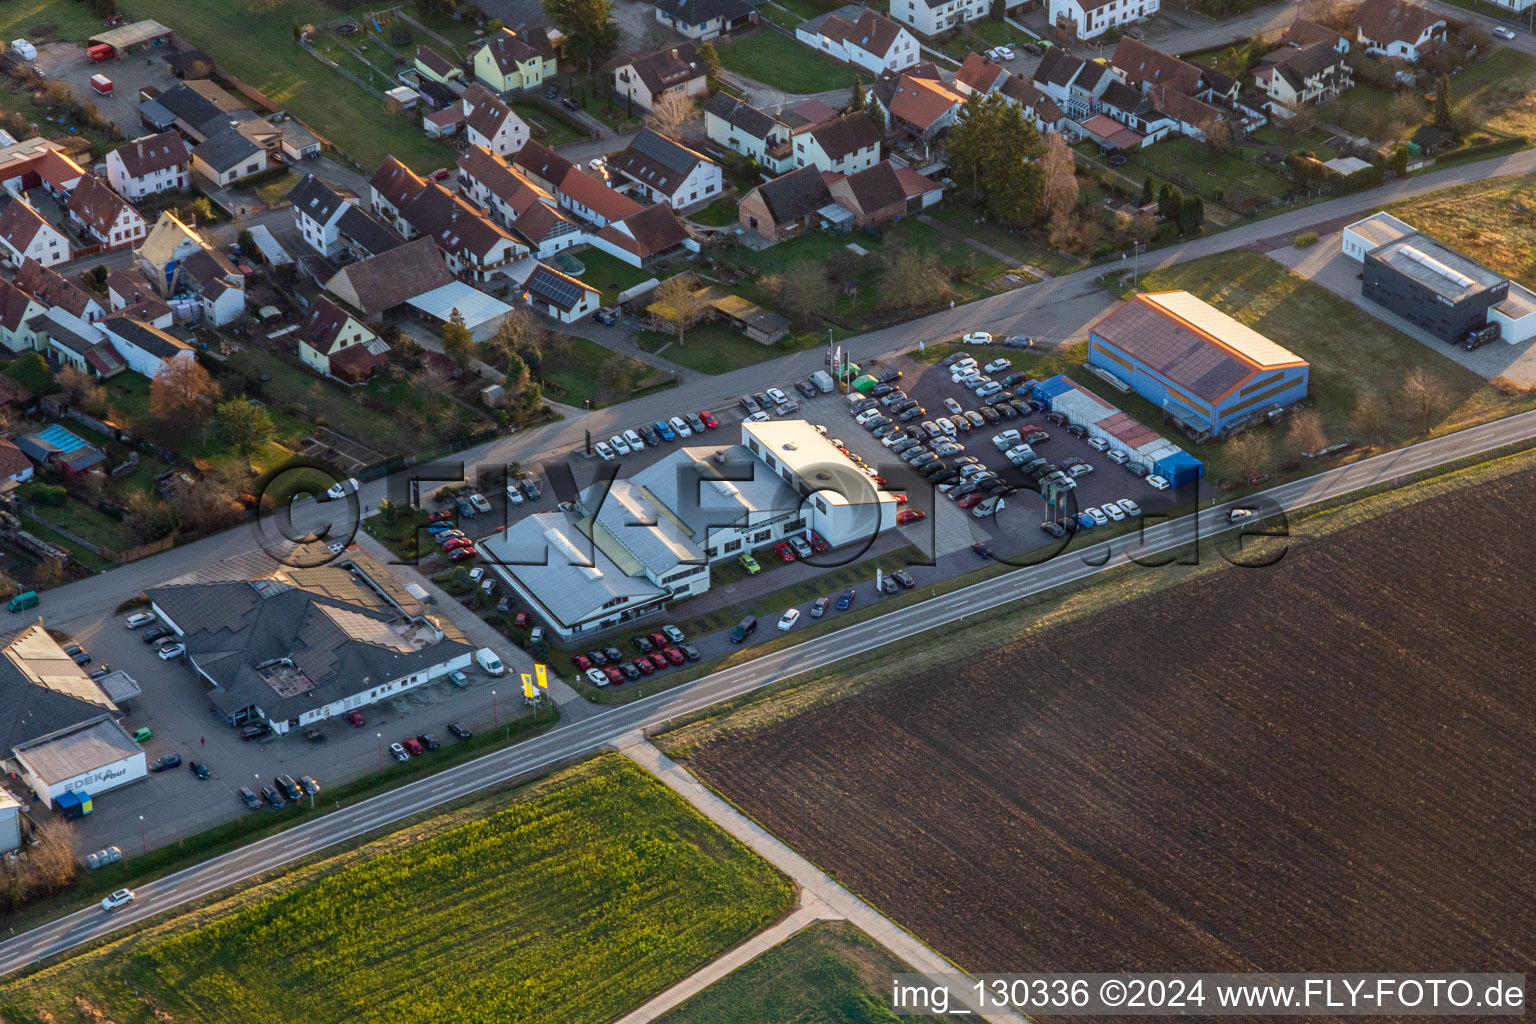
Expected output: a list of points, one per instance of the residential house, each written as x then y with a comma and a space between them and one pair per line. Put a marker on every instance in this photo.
55, 291
105, 215
921, 108
979, 74
577, 191
517, 204
666, 171
201, 109
337, 344
1293, 77
149, 166
332, 224
24, 234
475, 247
512, 61
58, 174
491, 123
436, 67
131, 294
69, 341
180, 265
14, 464
705, 19
1089, 19
17, 309
145, 348
1073, 83
382, 284
1302, 32
392, 186
219, 286
294, 140
848, 144
561, 296
871, 41
733, 124
651, 77
228, 157
884, 192
1038, 108
443, 123
1397, 28
930, 17
642, 238
785, 206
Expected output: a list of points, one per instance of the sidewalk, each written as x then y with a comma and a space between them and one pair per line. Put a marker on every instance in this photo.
810, 911
815, 882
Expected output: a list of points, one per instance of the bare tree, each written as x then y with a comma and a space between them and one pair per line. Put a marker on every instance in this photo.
1370, 415
1059, 172
1218, 135
1425, 394
671, 114
79, 389
1248, 453
914, 279
183, 394
803, 290
680, 302
1306, 433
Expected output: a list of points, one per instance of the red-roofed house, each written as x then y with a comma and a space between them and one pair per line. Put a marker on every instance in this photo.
147, 166
105, 215
59, 173
978, 74
884, 192
491, 123
24, 234
334, 342
921, 107
871, 41
560, 295
644, 237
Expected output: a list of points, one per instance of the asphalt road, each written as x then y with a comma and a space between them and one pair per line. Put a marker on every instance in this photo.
582, 737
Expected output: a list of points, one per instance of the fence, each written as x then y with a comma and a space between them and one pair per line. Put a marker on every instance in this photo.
111, 554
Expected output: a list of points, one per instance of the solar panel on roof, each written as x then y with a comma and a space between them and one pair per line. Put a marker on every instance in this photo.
555, 288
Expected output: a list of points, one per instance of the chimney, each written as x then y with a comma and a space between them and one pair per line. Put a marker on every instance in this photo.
674, 55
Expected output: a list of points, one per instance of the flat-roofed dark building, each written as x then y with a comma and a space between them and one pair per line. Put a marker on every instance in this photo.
1432, 285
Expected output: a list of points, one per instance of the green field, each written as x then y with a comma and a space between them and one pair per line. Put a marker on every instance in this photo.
577, 370
831, 973
1230, 178
714, 348
1490, 218
581, 898
771, 58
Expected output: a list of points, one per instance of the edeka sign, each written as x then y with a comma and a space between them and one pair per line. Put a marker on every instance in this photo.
102, 778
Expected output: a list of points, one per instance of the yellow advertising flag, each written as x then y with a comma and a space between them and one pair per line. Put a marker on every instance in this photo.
543, 676
527, 686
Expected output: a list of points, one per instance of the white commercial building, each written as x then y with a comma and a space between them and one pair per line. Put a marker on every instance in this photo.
88, 760
1374, 231
843, 504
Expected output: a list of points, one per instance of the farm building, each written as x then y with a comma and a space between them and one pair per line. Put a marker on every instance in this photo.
63, 735
135, 37
1200, 366
1145, 446
1434, 286
293, 645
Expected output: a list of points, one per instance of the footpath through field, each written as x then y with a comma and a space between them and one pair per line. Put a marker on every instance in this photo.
576, 739
901, 944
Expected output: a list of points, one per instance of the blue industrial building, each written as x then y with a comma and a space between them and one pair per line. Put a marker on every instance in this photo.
1201, 367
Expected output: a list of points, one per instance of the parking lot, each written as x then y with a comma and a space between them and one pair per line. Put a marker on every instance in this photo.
69, 62
173, 705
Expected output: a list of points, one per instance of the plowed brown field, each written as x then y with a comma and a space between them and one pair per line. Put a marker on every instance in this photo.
1326, 765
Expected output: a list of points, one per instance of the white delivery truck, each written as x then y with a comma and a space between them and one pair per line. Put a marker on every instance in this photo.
486, 658
823, 380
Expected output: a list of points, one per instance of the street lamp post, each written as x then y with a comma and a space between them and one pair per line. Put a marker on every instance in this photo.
381, 750
143, 836
495, 715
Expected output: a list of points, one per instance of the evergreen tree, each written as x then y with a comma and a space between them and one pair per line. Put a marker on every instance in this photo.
1443, 119
1146, 191
858, 102
996, 152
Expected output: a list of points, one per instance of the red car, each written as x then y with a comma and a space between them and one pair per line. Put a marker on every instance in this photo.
615, 674
910, 515
708, 418
462, 554
413, 746
457, 542
674, 655
972, 500
356, 718
901, 499
818, 543
658, 640
441, 516
643, 663
782, 549
581, 661
658, 660
522, 619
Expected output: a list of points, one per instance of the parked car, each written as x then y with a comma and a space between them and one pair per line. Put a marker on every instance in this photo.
1502, 32
846, 601
977, 338
414, 746
1118, 457
1098, 444
788, 619
170, 651
1129, 507
750, 564
460, 730
602, 316
743, 629
199, 769
708, 419
251, 799
138, 619
664, 431
356, 718
166, 763
399, 752
273, 797
649, 434
157, 634
1157, 483
531, 489
690, 652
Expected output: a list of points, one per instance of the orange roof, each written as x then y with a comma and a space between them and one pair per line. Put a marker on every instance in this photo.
920, 101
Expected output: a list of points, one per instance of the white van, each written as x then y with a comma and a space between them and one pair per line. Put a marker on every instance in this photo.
486, 659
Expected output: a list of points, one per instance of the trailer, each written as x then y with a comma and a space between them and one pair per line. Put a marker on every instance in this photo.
101, 84
101, 53
23, 49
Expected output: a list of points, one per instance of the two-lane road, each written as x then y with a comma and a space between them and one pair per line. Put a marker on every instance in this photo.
576, 739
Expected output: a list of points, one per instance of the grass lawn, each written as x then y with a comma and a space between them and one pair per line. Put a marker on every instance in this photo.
1499, 93
1314, 139
274, 190
1018, 244
399, 529
577, 370
504, 911
91, 523
261, 51
1372, 112
716, 215
777, 60
557, 133
38, 20
1227, 178
830, 972
1351, 353
613, 276
710, 348
1491, 219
